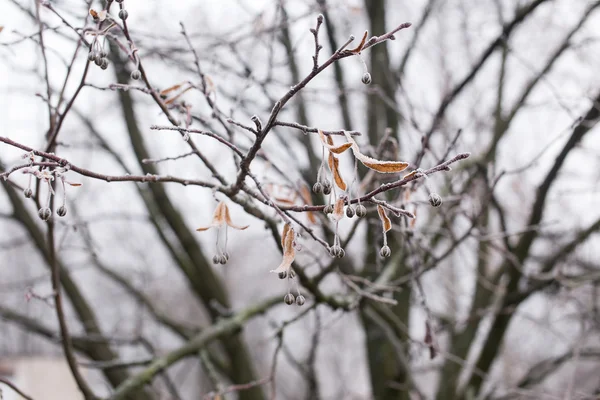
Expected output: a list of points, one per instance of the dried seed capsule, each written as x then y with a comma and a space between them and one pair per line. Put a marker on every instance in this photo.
292, 274
103, 53
44, 213
91, 56
289, 299
216, 259
326, 187
135, 75
119, 1
300, 300
435, 200
341, 253
366, 78
333, 250
361, 211
317, 188
385, 251
349, 211
98, 60
123, 14
62, 211
222, 259
282, 275
226, 255
28, 192
328, 209
104, 63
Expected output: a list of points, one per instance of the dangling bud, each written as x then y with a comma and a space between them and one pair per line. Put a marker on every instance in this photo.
44, 213
28, 192
328, 209
349, 211
385, 251
300, 300
135, 74
366, 78
216, 259
326, 187
289, 299
91, 56
123, 14
226, 255
435, 200
222, 259
336, 251
104, 63
361, 211
62, 211
317, 188
282, 275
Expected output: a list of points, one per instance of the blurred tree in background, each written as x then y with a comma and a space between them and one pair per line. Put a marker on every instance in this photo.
402, 213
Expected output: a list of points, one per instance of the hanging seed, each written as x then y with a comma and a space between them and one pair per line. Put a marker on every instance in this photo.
135, 75
62, 211
350, 212
222, 259
366, 78
216, 259
91, 56
435, 200
104, 63
282, 275
326, 187
28, 193
300, 300
123, 14
385, 251
289, 299
317, 188
328, 209
361, 211
44, 213
98, 60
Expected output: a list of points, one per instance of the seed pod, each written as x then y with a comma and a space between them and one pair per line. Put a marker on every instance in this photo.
326, 187
62, 211
103, 53
123, 14
292, 274
28, 193
135, 75
282, 275
98, 60
366, 78
341, 253
289, 299
385, 251
300, 300
104, 63
317, 188
222, 259
361, 211
119, 1
44, 213
435, 200
328, 209
91, 56
349, 211
216, 259
226, 255
333, 250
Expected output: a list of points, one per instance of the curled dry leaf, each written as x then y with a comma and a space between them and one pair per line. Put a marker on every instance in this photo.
287, 242
360, 46
221, 217
170, 89
98, 15
386, 167
338, 210
385, 220
334, 166
328, 143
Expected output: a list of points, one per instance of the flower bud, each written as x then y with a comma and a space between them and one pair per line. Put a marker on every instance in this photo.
28, 192
317, 188
289, 299
385, 252
349, 211
123, 14
300, 300
135, 75
62, 211
282, 275
366, 78
44, 213
435, 200
361, 211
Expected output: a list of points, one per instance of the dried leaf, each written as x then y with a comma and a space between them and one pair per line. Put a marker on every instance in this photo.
1, 28
221, 217
171, 100
334, 165
386, 167
338, 209
410, 174
414, 220
73, 183
287, 242
328, 143
101, 16
360, 46
228, 220
385, 220
170, 89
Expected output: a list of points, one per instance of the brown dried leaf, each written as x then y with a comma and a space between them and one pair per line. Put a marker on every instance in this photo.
228, 220
328, 143
410, 174
170, 89
360, 46
287, 242
338, 209
385, 220
386, 167
334, 164
171, 100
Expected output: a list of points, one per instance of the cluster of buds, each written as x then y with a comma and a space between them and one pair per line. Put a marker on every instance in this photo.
48, 176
